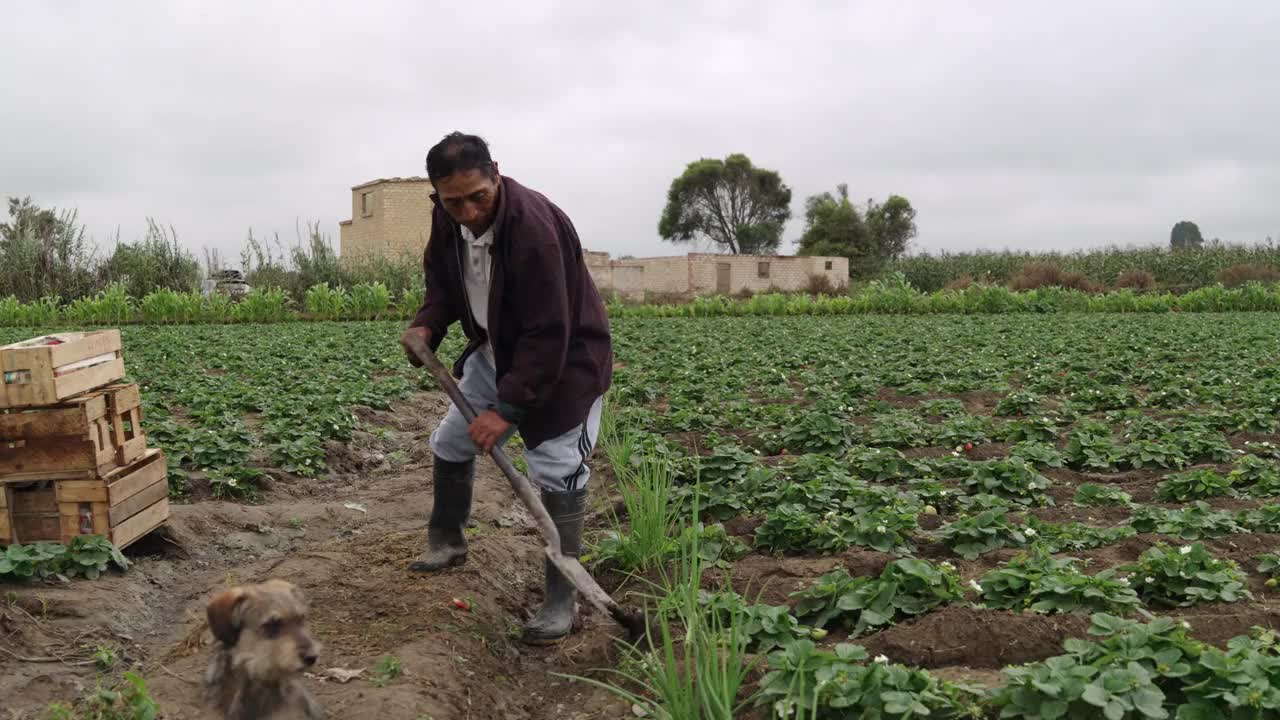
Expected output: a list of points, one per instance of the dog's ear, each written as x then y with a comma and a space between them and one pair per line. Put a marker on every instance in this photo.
224, 614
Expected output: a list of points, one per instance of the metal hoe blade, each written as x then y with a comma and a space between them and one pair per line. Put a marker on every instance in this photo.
573, 570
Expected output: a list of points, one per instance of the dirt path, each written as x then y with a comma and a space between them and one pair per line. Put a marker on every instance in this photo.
350, 562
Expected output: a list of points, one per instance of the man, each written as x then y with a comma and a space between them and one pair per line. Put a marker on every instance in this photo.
506, 262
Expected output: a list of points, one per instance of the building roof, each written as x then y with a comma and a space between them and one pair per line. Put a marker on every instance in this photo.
380, 181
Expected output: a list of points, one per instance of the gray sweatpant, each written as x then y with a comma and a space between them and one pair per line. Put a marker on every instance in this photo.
556, 464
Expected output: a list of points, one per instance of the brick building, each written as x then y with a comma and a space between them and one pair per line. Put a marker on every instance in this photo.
712, 274
389, 218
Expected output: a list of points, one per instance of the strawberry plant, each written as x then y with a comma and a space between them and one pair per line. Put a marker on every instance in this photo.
941, 408
1060, 537
1194, 484
1039, 454
235, 483
980, 533
1041, 429
1269, 565
1066, 687
904, 588
1265, 519
1092, 494
817, 433
1150, 454
1091, 447
1256, 476
1037, 581
1193, 522
86, 555
1010, 479
963, 430
766, 626
885, 527
898, 428
1018, 403
1185, 576
878, 464
804, 682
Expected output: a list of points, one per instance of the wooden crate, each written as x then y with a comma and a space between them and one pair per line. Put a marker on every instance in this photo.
86, 436
34, 373
33, 514
125, 504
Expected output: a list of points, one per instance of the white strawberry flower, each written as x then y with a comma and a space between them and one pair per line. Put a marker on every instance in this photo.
1149, 580
882, 659
1185, 549
976, 587
1030, 532
881, 529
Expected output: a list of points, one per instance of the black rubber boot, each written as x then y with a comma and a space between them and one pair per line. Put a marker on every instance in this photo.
554, 620
446, 543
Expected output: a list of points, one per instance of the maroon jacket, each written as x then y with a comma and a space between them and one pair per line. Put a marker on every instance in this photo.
551, 343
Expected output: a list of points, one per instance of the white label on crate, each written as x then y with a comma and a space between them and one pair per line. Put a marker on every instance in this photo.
17, 377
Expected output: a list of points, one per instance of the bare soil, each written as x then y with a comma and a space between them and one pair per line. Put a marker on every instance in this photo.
345, 540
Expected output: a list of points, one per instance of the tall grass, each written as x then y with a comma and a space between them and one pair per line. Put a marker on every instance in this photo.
895, 297
690, 664
44, 253
1183, 269
156, 262
645, 484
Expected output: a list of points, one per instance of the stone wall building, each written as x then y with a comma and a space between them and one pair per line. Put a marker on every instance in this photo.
390, 217
713, 274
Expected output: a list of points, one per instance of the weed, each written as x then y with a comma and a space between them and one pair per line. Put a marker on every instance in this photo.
387, 669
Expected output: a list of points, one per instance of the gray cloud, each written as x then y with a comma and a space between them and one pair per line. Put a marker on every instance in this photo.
1022, 125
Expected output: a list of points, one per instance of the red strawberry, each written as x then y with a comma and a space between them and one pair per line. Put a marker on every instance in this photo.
461, 604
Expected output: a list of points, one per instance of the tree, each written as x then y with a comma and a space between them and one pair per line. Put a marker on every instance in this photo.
730, 202
870, 237
892, 226
1185, 236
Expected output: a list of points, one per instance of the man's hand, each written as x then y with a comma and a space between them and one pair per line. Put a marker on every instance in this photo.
420, 332
487, 429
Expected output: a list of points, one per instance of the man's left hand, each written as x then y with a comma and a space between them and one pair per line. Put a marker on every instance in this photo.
487, 429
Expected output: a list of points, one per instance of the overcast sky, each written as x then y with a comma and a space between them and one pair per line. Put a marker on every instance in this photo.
1033, 125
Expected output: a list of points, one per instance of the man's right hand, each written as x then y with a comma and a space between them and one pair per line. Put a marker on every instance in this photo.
423, 335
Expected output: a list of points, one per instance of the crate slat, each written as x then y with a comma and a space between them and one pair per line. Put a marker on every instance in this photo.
5, 527
139, 501
87, 436
33, 500
48, 374
118, 485
139, 525
69, 418
35, 528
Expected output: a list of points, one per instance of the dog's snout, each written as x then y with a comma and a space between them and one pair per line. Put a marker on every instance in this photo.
309, 659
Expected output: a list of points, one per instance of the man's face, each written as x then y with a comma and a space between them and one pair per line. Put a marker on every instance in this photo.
470, 197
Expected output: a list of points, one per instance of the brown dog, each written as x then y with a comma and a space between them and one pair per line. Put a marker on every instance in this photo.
262, 648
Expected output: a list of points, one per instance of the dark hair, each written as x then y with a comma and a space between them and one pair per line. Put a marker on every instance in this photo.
459, 152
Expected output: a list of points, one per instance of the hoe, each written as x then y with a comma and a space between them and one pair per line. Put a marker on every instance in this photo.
630, 620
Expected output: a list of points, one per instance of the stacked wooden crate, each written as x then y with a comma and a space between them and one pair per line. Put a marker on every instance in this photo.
73, 454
